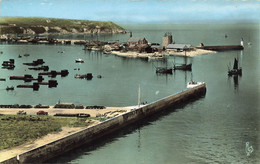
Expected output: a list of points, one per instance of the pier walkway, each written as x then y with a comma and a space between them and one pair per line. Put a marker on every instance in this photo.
90, 134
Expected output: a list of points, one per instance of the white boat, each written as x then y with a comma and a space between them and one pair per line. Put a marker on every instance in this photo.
79, 60
192, 84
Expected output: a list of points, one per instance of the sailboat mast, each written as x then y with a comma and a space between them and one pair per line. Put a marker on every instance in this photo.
185, 58
139, 96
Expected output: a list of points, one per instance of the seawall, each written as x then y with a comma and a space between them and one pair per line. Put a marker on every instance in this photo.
102, 129
222, 48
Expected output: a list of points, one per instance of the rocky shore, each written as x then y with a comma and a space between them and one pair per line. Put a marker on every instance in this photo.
46, 26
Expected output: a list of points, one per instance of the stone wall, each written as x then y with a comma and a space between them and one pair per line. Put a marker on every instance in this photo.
92, 133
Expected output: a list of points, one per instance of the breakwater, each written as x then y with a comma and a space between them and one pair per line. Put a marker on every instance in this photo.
222, 48
102, 129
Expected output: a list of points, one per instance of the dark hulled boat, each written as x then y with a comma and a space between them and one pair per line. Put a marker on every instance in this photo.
164, 70
185, 66
236, 70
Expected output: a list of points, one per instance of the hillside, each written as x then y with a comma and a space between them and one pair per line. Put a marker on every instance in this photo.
38, 25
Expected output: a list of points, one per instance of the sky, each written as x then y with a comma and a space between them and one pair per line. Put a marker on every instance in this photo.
138, 11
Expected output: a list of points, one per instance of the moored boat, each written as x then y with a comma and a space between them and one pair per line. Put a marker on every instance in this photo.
9, 88
236, 70
79, 60
192, 84
164, 70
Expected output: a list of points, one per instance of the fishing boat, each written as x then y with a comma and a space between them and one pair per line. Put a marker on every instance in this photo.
9, 88
164, 70
185, 66
193, 83
79, 60
236, 70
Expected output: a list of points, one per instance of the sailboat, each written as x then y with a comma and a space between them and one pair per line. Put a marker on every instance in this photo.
235, 70
164, 70
185, 66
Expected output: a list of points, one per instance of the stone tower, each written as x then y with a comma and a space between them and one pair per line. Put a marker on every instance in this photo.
167, 39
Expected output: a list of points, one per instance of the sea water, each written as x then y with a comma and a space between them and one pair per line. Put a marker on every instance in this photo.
218, 128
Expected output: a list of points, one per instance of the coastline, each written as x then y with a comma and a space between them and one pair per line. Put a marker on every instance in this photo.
192, 53
158, 55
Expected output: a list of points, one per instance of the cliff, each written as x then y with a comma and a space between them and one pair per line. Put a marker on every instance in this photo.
38, 25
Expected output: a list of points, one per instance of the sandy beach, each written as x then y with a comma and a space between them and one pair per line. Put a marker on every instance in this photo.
193, 53
133, 54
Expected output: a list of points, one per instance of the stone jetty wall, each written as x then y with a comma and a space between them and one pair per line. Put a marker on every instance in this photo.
102, 129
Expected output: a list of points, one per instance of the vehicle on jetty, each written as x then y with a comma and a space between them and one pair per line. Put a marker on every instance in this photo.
79, 60
95, 107
236, 70
79, 115
80, 106
65, 105
41, 112
21, 112
41, 106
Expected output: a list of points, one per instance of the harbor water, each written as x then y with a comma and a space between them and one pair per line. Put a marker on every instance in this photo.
222, 127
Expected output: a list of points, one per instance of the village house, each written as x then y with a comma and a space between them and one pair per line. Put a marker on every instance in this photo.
133, 41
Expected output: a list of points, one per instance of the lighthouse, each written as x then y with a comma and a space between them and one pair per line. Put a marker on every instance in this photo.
242, 42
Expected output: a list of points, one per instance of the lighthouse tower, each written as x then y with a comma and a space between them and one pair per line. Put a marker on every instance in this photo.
242, 42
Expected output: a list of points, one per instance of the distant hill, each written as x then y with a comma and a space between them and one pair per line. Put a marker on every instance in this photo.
38, 25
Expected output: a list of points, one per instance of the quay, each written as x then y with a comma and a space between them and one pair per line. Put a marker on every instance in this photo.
222, 48
90, 134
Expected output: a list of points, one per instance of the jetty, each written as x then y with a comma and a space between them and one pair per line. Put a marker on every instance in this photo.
90, 134
222, 48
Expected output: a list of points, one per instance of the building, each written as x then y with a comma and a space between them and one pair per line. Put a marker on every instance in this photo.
167, 39
179, 47
136, 41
